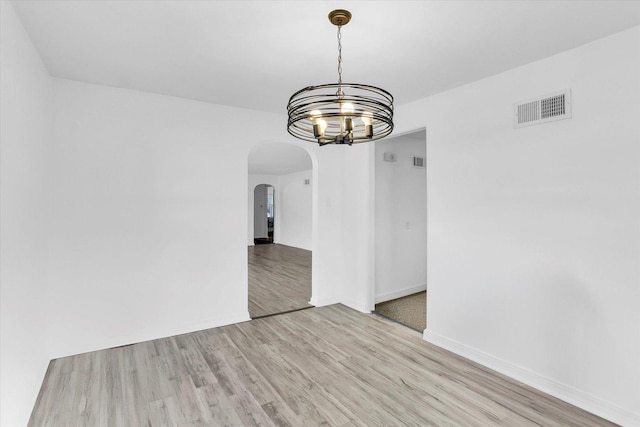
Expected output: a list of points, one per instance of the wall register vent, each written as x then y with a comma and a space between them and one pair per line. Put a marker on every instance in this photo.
418, 162
556, 106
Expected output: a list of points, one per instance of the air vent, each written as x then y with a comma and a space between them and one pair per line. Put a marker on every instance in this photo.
418, 162
544, 109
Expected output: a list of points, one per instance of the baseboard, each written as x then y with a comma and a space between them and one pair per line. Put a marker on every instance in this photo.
322, 302
358, 306
562, 391
401, 293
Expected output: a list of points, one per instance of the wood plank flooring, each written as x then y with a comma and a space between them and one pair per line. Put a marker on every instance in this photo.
322, 366
279, 279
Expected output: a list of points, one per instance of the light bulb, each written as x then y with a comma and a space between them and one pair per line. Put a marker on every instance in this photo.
348, 124
319, 126
315, 115
347, 108
366, 120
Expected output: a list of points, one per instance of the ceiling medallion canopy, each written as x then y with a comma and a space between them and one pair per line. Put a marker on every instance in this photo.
340, 113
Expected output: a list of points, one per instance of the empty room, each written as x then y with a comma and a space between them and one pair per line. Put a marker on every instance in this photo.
205, 205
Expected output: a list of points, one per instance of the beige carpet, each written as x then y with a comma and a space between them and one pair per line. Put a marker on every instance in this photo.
410, 310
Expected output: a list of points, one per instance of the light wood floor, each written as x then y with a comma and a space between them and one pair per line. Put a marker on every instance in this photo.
279, 279
321, 366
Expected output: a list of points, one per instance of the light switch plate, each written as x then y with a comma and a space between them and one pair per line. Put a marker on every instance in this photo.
389, 157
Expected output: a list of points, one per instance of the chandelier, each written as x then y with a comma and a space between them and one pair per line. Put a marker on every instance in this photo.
340, 113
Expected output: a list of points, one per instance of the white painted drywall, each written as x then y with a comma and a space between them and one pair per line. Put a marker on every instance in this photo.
329, 268
149, 215
146, 241
146, 223
294, 216
293, 208
355, 268
25, 138
400, 218
533, 241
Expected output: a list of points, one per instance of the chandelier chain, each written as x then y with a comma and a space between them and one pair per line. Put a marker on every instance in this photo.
339, 56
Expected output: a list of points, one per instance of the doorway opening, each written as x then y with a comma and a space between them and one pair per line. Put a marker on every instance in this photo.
401, 229
263, 214
280, 229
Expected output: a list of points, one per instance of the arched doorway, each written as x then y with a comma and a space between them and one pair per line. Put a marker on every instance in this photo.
263, 214
279, 229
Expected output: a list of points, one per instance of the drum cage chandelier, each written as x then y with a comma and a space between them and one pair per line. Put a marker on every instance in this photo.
340, 113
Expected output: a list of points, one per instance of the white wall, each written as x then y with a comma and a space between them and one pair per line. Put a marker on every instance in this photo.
400, 218
149, 198
149, 214
293, 208
25, 138
147, 204
329, 268
533, 234
294, 216
356, 268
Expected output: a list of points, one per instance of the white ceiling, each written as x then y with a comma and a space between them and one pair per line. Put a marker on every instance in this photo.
255, 54
275, 158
